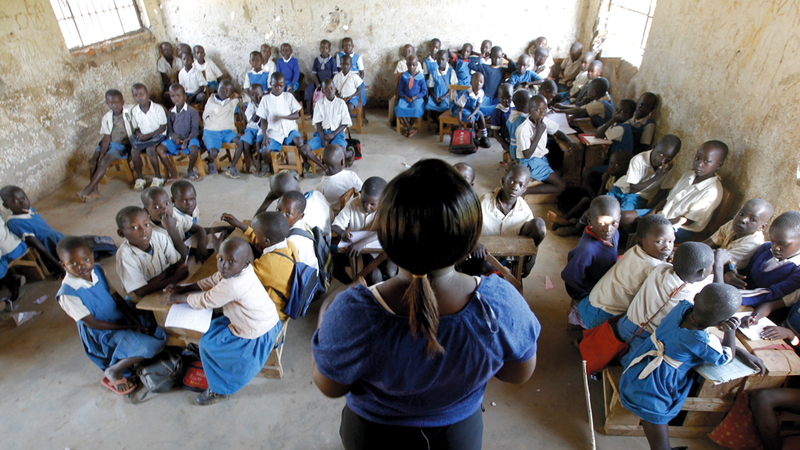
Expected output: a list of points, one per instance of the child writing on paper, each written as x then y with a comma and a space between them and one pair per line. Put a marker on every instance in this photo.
337, 180
742, 236
238, 343
114, 335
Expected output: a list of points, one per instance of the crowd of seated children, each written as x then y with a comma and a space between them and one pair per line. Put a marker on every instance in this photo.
439, 81
192, 80
147, 261
219, 126
207, 67
493, 73
289, 67
114, 334
580, 98
337, 180
742, 236
542, 61
583, 76
323, 67
359, 215
176, 225
238, 343
696, 195
11, 248
411, 91
149, 122
467, 109
595, 253
668, 284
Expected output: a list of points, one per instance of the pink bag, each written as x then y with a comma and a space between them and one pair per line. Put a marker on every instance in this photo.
318, 95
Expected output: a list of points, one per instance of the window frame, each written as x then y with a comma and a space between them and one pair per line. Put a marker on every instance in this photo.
135, 4
603, 29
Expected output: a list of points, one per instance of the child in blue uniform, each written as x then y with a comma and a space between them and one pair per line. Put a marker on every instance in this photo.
643, 126
11, 248
600, 108
31, 227
431, 62
523, 77
114, 335
501, 114
467, 108
289, 67
257, 74
323, 67
357, 62
657, 376
237, 345
493, 77
619, 129
411, 90
463, 72
439, 82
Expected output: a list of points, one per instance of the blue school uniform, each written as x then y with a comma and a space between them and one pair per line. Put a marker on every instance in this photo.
500, 121
492, 78
463, 72
410, 89
781, 281
119, 151
33, 224
638, 131
517, 78
629, 201
290, 70
323, 68
441, 85
652, 387
512, 126
626, 143
6, 259
107, 347
261, 78
608, 113
230, 362
469, 106
587, 263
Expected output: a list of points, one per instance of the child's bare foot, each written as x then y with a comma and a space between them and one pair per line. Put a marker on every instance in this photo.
172, 179
88, 198
412, 132
556, 219
115, 381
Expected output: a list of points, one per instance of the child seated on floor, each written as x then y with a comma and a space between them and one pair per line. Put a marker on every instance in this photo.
192, 80
357, 64
695, 197
31, 227
463, 72
773, 270
493, 76
149, 122
582, 78
253, 137
279, 112
595, 253
184, 199
466, 171
330, 119
347, 83
114, 334
317, 212
207, 67
411, 92
168, 66
570, 67
644, 128
668, 284
467, 108
439, 81
618, 130
11, 248
612, 295
501, 114
183, 129
581, 97
289, 67
337, 180
323, 67
359, 215
523, 77
505, 213
238, 343
742, 236
177, 226
658, 374
257, 73
599, 109
115, 144
292, 205
146, 261
219, 125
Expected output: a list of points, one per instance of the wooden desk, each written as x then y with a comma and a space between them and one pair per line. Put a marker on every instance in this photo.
516, 247
576, 162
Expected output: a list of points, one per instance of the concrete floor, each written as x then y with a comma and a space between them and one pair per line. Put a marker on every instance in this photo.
53, 398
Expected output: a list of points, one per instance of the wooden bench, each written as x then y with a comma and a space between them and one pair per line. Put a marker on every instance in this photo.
446, 119
31, 265
120, 165
515, 247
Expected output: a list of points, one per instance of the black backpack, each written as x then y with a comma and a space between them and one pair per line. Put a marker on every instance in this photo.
323, 253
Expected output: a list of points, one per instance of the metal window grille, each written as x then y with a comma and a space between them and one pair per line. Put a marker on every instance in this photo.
627, 26
86, 22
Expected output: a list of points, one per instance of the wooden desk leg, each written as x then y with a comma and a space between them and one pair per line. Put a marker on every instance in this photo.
371, 266
519, 261
506, 273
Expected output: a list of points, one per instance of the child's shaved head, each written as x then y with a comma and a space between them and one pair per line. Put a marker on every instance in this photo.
788, 222
541, 52
125, 214
68, 244
8, 192
604, 205
692, 261
650, 222
177, 88
717, 146
627, 106
521, 99
113, 93
137, 86
516, 170
277, 76
716, 303
271, 225
548, 85
283, 182
466, 171
373, 187
600, 86
764, 208
151, 193
333, 157
296, 198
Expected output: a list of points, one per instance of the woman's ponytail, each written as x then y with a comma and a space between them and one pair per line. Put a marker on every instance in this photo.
423, 312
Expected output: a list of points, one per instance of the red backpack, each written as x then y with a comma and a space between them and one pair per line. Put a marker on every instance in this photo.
195, 377
462, 141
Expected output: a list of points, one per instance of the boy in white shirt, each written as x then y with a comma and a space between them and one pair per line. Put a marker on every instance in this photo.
317, 212
347, 83
337, 180
149, 122
292, 204
691, 203
331, 118
147, 262
742, 236
207, 67
192, 80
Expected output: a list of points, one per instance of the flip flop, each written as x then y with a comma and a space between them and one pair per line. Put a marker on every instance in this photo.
110, 385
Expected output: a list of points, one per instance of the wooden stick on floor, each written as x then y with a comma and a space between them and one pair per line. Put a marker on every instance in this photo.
589, 405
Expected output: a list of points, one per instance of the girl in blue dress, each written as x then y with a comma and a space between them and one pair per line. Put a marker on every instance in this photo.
657, 376
114, 335
411, 91
440, 80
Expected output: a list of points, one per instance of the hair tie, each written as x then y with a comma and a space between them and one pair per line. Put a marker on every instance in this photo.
415, 276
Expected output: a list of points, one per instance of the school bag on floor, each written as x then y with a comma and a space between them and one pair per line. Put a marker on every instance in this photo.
302, 288
161, 374
353, 147
462, 141
323, 253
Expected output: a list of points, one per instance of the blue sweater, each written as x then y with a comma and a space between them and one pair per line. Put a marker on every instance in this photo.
492, 76
780, 282
587, 263
290, 70
526, 77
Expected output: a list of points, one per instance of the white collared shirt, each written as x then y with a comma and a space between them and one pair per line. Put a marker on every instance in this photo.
443, 73
525, 133
495, 223
304, 246
191, 80
272, 106
171, 70
331, 114
71, 304
696, 202
334, 186
741, 249
270, 67
354, 217
617, 288
8, 240
402, 67
107, 123
148, 122
462, 99
347, 85
278, 246
639, 170
212, 72
136, 267
773, 263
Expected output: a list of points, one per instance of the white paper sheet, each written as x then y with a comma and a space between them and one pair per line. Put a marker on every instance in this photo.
357, 236
561, 120
734, 370
754, 332
184, 316
591, 140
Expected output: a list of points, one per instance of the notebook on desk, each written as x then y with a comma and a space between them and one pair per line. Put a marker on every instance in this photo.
590, 139
734, 370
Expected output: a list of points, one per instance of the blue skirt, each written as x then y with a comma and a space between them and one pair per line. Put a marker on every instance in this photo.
431, 105
629, 201
230, 362
415, 109
592, 316
539, 167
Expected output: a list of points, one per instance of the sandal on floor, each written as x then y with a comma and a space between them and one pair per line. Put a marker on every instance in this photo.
111, 385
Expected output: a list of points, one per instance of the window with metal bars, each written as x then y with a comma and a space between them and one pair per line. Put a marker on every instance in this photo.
626, 26
87, 22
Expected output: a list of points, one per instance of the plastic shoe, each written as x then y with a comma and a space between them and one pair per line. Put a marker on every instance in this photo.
157, 182
139, 185
232, 172
212, 169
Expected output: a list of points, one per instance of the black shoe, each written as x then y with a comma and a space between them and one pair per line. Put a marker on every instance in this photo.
483, 142
209, 397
